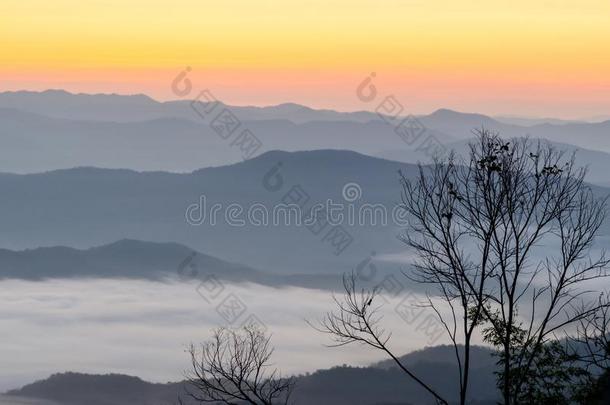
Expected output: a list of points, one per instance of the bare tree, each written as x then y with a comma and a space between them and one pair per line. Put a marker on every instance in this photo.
592, 339
441, 263
505, 236
358, 320
234, 367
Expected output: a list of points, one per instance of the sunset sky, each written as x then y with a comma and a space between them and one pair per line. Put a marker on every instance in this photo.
495, 57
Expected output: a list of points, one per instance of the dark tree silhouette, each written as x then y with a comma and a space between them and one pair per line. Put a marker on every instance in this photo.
505, 235
234, 367
592, 340
357, 320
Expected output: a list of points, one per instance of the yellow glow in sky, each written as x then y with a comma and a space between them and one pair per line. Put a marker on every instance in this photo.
548, 57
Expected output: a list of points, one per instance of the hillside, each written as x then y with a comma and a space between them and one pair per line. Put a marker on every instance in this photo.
339, 385
63, 207
134, 259
55, 129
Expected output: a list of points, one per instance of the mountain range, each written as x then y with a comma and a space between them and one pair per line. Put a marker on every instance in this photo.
131, 259
87, 207
55, 129
113, 186
375, 385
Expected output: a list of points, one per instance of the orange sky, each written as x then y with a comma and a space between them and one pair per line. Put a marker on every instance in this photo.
547, 58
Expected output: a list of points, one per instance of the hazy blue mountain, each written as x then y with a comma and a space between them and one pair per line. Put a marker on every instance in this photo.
142, 260
458, 125
480, 356
339, 385
531, 121
139, 107
598, 162
56, 129
97, 107
34, 143
111, 389
87, 207
595, 118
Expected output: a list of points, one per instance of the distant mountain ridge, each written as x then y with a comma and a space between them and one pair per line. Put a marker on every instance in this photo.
55, 129
135, 259
36, 143
481, 357
339, 385
58, 103
62, 207
139, 107
597, 161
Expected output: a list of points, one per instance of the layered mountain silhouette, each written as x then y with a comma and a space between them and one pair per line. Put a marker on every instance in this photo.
94, 186
86, 207
139, 107
596, 161
56, 130
132, 259
342, 385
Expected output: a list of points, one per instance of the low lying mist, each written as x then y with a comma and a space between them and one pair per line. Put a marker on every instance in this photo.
141, 328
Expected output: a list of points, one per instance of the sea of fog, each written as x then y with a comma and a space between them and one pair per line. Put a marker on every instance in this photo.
142, 328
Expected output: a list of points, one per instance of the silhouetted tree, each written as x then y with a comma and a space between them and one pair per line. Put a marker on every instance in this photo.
592, 340
505, 235
555, 376
234, 367
357, 320
504, 238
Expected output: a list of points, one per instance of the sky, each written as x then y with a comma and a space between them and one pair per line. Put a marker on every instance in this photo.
517, 57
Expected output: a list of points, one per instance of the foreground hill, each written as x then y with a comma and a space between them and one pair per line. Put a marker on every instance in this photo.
340, 385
